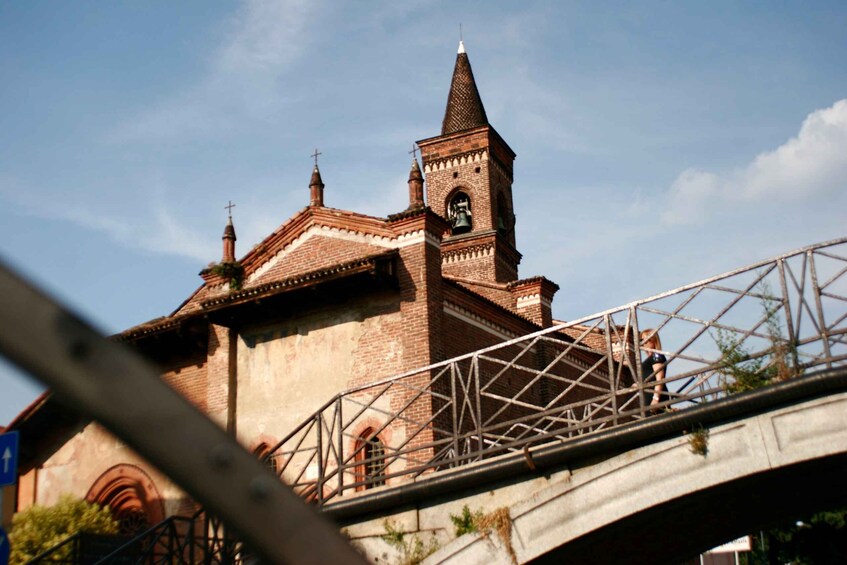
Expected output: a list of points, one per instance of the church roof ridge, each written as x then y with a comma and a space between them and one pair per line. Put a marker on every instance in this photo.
464, 105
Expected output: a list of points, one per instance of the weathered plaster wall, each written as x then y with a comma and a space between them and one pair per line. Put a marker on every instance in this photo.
75, 467
287, 370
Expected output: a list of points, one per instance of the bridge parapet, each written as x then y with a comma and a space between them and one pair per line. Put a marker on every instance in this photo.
750, 327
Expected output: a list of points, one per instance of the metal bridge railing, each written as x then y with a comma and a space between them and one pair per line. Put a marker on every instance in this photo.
763, 323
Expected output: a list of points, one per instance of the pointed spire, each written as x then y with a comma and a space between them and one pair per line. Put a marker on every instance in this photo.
316, 185
416, 194
464, 106
229, 237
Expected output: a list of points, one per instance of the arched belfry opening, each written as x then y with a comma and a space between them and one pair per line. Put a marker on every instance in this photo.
505, 219
459, 213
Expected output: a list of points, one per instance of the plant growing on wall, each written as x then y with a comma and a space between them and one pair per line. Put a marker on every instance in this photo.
412, 549
39, 528
466, 522
498, 521
230, 270
698, 441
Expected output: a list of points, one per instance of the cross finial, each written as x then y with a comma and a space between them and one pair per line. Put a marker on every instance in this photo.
229, 208
414, 151
315, 155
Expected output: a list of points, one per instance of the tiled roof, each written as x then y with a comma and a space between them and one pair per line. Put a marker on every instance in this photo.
464, 106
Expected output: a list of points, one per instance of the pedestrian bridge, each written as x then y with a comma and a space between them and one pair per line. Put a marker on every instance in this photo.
642, 493
558, 425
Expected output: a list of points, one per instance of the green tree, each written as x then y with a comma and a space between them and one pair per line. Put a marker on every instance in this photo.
741, 371
39, 528
819, 539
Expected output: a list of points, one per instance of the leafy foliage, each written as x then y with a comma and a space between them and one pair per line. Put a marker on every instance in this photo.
39, 528
412, 550
819, 539
501, 522
498, 521
743, 371
698, 441
467, 522
231, 270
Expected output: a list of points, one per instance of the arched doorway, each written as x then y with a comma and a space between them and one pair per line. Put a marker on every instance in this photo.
131, 495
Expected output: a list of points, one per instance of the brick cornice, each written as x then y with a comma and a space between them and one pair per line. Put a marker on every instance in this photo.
483, 138
534, 286
487, 131
364, 264
416, 220
456, 248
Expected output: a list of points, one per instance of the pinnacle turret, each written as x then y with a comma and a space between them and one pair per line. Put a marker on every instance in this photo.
229, 238
316, 188
416, 181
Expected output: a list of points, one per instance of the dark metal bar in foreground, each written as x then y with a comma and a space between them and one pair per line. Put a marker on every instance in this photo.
115, 386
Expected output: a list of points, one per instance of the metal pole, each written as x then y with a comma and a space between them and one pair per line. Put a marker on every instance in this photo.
320, 454
636, 340
786, 306
607, 321
479, 436
455, 401
821, 321
340, 450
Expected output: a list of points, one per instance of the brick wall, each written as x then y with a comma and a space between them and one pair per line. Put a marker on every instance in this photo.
189, 377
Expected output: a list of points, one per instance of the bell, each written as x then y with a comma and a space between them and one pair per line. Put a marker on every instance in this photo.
462, 223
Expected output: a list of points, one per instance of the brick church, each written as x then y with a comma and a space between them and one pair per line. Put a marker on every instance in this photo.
331, 300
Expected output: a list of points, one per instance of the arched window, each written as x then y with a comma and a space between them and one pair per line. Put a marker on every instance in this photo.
459, 213
263, 452
370, 455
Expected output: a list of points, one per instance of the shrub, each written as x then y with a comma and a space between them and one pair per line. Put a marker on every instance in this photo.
38, 528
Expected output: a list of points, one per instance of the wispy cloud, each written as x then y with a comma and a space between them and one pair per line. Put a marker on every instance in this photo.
242, 81
810, 164
157, 231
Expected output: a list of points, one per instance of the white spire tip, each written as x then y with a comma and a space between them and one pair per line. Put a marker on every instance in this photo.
461, 46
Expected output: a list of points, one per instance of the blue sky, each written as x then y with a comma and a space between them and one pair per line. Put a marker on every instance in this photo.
658, 143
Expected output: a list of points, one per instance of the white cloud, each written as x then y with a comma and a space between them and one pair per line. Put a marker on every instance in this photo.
160, 234
264, 38
811, 164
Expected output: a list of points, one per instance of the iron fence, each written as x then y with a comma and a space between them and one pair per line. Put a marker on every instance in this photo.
763, 323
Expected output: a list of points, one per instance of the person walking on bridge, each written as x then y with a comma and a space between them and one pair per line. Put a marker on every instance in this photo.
653, 371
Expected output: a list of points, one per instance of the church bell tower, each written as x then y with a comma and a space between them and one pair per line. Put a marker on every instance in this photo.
468, 171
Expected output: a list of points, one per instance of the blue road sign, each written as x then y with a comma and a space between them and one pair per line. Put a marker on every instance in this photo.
4, 548
8, 458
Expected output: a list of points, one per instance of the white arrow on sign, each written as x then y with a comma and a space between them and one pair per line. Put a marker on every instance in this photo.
6, 456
